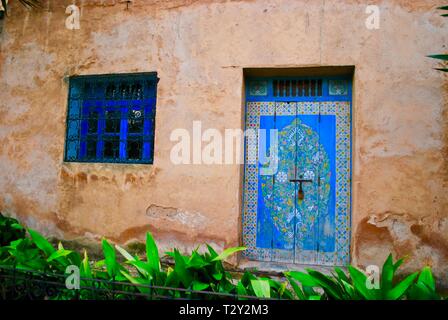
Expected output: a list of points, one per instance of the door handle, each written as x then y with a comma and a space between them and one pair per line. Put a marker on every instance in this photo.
300, 194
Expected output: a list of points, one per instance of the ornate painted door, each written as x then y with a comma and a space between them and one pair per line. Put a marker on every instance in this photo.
297, 171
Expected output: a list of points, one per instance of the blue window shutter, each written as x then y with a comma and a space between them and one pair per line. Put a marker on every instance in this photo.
100, 110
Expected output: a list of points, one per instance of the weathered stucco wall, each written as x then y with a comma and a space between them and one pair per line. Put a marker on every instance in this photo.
199, 49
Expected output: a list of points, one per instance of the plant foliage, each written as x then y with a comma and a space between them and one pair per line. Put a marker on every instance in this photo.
200, 272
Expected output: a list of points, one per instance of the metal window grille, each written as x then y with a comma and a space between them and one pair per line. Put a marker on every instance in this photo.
111, 118
297, 88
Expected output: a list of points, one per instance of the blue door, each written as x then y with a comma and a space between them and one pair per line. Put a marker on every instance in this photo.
297, 171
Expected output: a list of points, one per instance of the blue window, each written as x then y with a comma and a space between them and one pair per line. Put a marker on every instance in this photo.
111, 118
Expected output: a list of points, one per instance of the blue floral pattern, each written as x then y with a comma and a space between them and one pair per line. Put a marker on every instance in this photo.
299, 150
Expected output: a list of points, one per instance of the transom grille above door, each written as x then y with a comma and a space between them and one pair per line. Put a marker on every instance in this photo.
297, 88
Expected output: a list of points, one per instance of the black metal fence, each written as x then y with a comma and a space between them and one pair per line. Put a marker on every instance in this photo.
20, 284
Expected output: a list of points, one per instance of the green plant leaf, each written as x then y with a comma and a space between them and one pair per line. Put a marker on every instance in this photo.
212, 252
401, 288
350, 290
241, 290
199, 286
124, 253
41, 242
427, 278
359, 282
218, 276
439, 56
143, 267
110, 259
330, 287
398, 264
141, 283
303, 278
152, 253
261, 288
341, 274
180, 269
419, 291
299, 293
58, 254
196, 261
387, 274
85, 267
226, 253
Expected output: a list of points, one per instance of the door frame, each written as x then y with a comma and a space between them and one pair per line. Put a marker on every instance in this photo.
250, 223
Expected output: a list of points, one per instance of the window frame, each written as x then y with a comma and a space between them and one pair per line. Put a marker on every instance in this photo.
82, 102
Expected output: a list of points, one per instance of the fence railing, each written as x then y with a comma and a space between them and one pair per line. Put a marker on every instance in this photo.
21, 284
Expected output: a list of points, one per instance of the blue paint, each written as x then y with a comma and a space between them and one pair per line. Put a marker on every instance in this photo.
88, 105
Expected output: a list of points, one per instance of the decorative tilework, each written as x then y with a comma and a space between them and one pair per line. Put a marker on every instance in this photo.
258, 88
341, 254
338, 87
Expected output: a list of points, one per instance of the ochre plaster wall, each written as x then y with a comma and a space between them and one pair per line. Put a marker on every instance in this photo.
199, 49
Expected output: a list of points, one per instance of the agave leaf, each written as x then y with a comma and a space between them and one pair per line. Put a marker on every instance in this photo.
124, 253
299, 293
226, 253
110, 259
427, 278
439, 56
261, 288
58, 254
199, 286
419, 291
309, 291
99, 263
398, 264
212, 252
341, 275
283, 291
218, 276
241, 290
359, 282
303, 278
330, 287
85, 267
401, 288
196, 261
141, 283
41, 242
143, 267
387, 274
350, 290
152, 253
247, 277
180, 268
